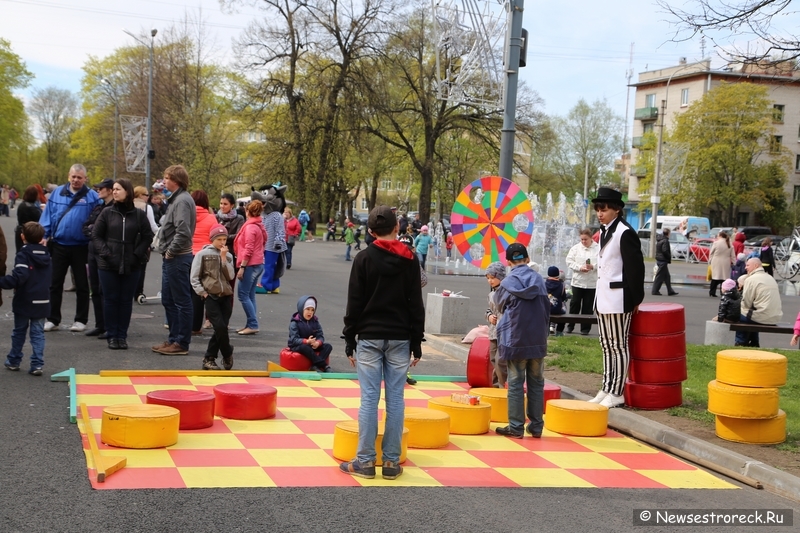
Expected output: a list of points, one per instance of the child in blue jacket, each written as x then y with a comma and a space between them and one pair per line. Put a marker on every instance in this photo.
30, 280
306, 337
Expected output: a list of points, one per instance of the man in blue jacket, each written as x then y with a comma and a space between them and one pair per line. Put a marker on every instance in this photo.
67, 209
522, 332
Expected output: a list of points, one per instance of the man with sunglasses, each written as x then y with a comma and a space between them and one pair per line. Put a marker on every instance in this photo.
66, 211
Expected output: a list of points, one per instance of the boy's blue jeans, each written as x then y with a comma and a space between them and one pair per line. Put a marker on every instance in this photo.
387, 360
347, 253
18, 341
532, 372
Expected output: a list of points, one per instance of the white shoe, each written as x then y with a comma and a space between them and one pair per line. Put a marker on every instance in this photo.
49, 326
599, 398
611, 401
78, 326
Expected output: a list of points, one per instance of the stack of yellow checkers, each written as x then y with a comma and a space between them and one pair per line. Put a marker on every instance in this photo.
744, 397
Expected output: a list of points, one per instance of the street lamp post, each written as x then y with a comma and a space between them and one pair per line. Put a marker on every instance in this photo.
116, 120
654, 198
150, 155
586, 191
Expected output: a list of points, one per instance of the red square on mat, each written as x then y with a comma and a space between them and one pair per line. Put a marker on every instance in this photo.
212, 458
512, 459
217, 427
95, 411
648, 461
551, 444
276, 382
469, 477
352, 412
140, 478
316, 427
263, 441
344, 392
160, 380
618, 479
310, 476
296, 401
105, 389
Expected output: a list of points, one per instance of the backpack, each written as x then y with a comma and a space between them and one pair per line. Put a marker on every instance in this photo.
303, 218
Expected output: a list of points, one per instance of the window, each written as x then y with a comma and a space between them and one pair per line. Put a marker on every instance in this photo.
251, 136
648, 128
363, 203
650, 100
777, 113
386, 184
741, 220
684, 97
797, 163
433, 206
775, 145
239, 179
796, 194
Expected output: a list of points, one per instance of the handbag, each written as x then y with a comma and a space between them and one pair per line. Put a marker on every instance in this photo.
291, 239
708, 273
280, 266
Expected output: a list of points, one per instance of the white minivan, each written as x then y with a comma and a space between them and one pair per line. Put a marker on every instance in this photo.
690, 226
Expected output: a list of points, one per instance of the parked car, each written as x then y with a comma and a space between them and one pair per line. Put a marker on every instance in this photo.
755, 243
678, 244
715, 231
752, 231
700, 250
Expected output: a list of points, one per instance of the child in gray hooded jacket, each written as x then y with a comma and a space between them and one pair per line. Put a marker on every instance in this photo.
495, 273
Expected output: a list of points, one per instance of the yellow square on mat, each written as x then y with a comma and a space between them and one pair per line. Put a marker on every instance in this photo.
332, 384
444, 458
223, 477
414, 394
144, 389
213, 381
207, 441
345, 403
686, 479
613, 445
543, 477
489, 443
412, 477
323, 441
443, 386
284, 457
270, 426
581, 460
104, 400
297, 392
97, 425
313, 413
156, 458
95, 379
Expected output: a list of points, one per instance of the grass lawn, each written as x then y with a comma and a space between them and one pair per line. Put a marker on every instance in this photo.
582, 354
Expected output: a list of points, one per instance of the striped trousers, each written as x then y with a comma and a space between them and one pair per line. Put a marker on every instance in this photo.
614, 329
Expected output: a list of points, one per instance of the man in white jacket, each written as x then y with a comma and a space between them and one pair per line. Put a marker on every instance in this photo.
582, 260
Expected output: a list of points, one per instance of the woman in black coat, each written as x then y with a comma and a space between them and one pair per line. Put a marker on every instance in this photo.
121, 237
28, 211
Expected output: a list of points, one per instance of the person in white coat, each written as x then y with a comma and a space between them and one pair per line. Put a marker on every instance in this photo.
620, 290
582, 260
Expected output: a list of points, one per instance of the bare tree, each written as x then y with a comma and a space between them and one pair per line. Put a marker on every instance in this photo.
55, 111
754, 18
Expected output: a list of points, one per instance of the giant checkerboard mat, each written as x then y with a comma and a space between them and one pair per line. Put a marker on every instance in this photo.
294, 449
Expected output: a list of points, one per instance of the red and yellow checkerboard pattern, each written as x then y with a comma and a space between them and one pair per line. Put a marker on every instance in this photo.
295, 448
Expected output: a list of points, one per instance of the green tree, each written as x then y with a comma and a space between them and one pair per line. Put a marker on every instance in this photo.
55, 111
731, 160
14, 135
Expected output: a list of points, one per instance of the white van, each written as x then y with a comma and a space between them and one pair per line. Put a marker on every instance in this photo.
690, 226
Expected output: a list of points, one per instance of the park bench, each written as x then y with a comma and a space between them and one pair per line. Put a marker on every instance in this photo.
573, 319
720, 332
763, 328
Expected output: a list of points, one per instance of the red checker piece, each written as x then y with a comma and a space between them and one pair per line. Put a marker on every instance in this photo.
296, 362
658, 372
658, 319
659, 347
196, 408
551, 392
653, 397
246, 401
479, 366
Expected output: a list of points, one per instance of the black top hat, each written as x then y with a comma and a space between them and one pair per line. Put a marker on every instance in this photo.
608, 195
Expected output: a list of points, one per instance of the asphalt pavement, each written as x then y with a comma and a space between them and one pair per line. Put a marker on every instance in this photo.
43, 472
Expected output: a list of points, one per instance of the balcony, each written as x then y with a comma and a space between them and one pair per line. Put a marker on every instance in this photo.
646, 113
638, 170
637, 142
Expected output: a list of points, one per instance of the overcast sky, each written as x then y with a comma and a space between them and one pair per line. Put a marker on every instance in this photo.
578, 48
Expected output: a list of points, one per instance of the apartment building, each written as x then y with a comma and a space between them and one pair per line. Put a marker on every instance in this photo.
685, 83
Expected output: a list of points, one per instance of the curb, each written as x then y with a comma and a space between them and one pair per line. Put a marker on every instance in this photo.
774, 480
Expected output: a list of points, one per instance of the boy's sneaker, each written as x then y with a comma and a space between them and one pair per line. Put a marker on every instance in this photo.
9, 366
49, 326
532, 434
35, 372
210, 364
506, 431
227, 362
354, 468
391, 470
410, 380
78, 326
